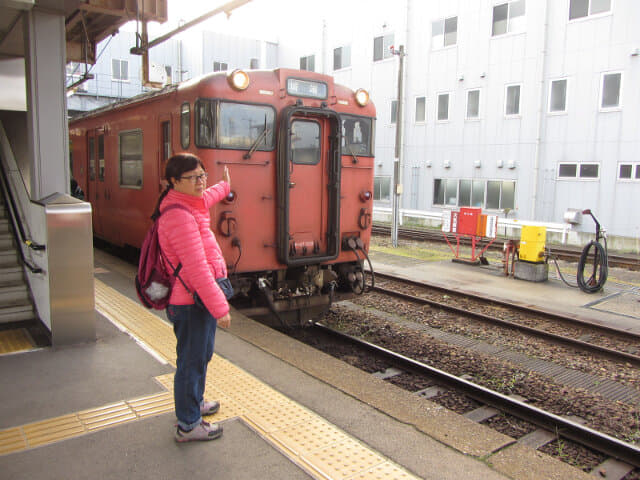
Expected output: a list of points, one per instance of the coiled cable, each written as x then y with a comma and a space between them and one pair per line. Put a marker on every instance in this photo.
598, 276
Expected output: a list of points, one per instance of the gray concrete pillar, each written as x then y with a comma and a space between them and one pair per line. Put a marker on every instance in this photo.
46, 102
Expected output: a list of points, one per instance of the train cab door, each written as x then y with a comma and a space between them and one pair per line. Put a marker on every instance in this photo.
308, 186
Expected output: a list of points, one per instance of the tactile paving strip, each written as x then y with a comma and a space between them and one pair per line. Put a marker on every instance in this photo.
13, 341
68, 426
317, 446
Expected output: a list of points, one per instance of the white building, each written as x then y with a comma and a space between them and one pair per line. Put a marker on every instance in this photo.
526, 105
523, 107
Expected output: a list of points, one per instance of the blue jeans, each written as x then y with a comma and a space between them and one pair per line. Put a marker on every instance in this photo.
195, 330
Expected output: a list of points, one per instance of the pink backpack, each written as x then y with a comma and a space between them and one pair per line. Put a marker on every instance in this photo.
153, 282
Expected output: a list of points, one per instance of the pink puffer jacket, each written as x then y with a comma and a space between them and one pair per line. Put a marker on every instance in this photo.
187, 238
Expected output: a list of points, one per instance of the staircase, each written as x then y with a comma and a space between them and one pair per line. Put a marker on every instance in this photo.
16, 306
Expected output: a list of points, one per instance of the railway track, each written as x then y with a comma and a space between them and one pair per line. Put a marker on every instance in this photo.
571, 254
561, 427
572, 341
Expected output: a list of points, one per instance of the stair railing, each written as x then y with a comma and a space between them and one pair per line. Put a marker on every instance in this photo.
17, 223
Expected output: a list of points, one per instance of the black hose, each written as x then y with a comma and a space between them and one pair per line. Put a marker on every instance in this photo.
598, 276
560, 273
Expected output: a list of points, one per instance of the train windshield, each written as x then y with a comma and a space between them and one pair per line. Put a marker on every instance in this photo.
243, 126
356, 135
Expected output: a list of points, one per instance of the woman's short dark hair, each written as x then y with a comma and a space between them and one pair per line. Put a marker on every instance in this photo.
179, 164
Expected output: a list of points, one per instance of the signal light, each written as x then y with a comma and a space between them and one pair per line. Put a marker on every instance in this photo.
238, 80
362, 97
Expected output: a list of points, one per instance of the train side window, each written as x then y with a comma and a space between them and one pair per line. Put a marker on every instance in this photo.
101, 157
131, 158
356, 135
185, 123
204, 123
92, 158
165, 129
305, 142
240, 126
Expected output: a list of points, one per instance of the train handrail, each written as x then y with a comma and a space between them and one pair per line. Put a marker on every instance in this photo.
16, 222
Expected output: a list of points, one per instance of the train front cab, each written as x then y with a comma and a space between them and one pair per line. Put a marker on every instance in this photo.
318, 247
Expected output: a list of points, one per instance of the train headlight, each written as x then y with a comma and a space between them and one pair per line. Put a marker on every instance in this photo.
362, 97
238, 79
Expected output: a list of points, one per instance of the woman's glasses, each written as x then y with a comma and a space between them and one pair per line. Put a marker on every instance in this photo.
195, 178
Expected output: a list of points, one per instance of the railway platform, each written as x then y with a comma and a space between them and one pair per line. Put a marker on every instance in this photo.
105, 409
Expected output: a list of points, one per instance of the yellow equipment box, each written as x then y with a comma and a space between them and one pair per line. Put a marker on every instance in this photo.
532, 243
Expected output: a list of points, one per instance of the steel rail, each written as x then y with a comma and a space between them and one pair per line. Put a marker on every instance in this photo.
615, 354
524, 309
601, 442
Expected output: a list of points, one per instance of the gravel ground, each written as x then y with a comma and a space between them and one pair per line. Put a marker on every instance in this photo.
624, 373
616, 419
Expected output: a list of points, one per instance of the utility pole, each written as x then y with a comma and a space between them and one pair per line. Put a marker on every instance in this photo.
397, 163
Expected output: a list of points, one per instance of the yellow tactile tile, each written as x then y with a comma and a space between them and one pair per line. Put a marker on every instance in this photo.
317, 446
12, 440
12, 341
344, 459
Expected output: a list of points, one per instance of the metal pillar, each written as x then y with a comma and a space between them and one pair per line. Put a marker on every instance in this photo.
397, 163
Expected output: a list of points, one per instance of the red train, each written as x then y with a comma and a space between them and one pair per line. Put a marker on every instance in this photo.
296, 227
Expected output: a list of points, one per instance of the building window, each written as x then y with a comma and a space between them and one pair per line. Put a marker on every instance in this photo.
579, 170
382, 47
512, 100
421, 109
185, 124
629, 171
444, 32
120, 70
611, 87
443, 107
473, 104
308, 63
382, 188
341, 57
584, 8
220, 66
509, 18
500, 194
558, 96
394, 112
131, 158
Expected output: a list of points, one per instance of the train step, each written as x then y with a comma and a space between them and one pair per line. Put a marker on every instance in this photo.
16, 313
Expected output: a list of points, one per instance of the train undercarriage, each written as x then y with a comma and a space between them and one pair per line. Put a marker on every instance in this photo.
298, 296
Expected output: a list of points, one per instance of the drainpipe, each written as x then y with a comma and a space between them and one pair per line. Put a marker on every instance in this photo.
541, 113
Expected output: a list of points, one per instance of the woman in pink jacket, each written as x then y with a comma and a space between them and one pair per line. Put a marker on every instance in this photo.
186, 238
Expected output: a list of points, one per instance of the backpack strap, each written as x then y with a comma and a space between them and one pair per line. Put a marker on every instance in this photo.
177, 269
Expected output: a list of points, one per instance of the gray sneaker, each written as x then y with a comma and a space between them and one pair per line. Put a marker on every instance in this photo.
209, 408
204, 431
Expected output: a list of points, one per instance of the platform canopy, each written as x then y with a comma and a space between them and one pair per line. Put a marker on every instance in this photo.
86, 22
